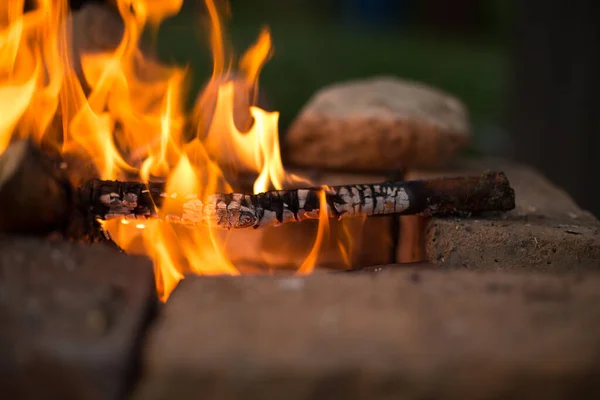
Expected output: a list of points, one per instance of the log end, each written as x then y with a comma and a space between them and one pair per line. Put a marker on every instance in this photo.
489, 192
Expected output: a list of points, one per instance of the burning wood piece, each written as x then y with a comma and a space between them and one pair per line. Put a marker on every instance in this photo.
438, 197
37, 197
34, 193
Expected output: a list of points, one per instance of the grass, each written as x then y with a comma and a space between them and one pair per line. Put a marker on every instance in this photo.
311, 52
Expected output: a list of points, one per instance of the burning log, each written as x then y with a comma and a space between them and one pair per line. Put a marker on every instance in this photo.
438, 197
34, 193
37, 197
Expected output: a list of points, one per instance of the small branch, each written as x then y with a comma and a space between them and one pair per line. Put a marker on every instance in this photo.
438, 197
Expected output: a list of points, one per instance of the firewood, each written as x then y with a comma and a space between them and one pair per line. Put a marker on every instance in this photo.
438, 197
37, 197
34, 195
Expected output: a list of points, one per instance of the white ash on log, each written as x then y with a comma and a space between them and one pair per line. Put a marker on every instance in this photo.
440, 197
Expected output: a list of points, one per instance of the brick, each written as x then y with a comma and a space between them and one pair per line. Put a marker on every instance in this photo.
411, 239
289, 244
71, 318
547, 231
394, 334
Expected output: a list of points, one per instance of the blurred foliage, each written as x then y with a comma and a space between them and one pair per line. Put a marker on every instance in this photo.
317, 44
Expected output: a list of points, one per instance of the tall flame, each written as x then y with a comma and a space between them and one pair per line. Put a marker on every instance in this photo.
125, 113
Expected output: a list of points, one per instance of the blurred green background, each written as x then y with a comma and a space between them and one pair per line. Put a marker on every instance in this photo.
459, 46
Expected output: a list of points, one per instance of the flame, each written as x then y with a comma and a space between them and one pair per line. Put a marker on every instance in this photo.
124, 112
256, 56
310, 262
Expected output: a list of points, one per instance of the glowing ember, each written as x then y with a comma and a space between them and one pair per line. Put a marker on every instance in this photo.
132, 122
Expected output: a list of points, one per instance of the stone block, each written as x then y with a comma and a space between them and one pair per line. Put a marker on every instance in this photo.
547, 231
72, 317
394, 334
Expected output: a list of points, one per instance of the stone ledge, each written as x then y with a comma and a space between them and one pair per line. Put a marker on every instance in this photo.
546, 231
512, 244
392, 334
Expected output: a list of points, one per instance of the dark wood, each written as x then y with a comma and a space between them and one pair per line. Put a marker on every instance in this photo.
35, 196
464, 196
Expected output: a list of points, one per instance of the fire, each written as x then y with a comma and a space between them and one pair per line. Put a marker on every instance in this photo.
309, 264
126, 115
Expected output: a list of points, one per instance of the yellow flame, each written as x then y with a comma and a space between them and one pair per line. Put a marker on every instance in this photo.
158, 239
30, 69
124, 112
216, 39
253, 60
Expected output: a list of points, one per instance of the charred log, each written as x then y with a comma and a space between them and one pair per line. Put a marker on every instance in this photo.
438, 197
37, 197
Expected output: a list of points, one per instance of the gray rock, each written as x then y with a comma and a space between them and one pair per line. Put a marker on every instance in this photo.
377, 124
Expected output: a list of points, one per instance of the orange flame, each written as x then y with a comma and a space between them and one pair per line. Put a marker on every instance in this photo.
125, 113
309, 264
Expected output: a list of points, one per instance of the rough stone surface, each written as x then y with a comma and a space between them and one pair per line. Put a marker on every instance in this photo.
365, 242
377, 124
414, 334
71, 319
547, 231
